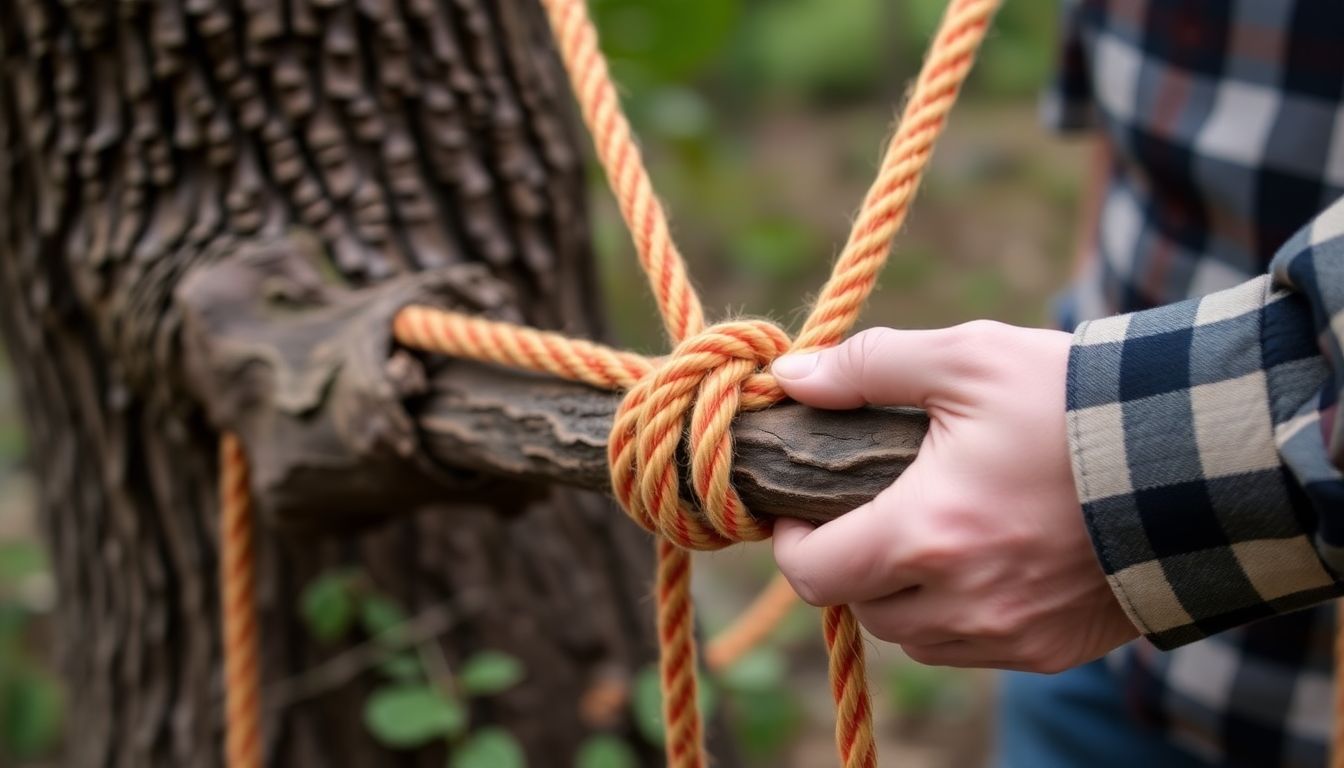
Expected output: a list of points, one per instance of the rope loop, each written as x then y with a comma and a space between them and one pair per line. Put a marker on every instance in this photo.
695, 392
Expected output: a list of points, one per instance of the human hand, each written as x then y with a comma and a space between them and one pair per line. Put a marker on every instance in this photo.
976, 556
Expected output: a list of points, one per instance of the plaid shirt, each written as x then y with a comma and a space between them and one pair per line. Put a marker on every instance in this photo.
1203, 433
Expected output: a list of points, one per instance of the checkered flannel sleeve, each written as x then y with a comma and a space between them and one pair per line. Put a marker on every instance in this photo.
1206, 450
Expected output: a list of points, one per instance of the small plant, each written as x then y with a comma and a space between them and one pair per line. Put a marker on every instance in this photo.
422, 700
606, 751
766, 711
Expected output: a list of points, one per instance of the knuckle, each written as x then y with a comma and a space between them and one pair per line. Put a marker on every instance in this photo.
932, 555
971, 345
989, 625
980, 330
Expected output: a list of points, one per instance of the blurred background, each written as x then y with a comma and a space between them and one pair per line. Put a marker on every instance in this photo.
763, 122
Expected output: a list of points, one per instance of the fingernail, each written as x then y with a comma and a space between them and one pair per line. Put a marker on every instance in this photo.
795, 366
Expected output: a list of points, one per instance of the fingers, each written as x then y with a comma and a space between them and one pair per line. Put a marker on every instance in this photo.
847, 560
881, 366
911, 616
959, 653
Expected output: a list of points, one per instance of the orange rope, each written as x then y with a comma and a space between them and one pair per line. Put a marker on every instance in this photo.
755, 624
711, 373
242, 677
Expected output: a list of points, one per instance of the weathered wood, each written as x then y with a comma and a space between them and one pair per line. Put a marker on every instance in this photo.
345, 427
789, 460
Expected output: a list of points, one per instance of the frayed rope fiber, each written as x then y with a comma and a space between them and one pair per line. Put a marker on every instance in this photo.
693, 394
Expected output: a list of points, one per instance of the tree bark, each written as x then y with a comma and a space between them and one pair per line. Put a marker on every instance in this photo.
143, 140
789, 460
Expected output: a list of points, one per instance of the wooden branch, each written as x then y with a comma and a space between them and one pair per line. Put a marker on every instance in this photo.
790, 460
343, 425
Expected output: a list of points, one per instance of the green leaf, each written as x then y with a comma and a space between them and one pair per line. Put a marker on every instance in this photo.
647, 703
489, 672
31, 708
327, 605
814, 48
489, 748
663, 40
606, 751
761, 669
409, 715
379, 615
765, 720
403, 667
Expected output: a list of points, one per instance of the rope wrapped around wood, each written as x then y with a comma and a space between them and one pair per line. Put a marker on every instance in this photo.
711, 374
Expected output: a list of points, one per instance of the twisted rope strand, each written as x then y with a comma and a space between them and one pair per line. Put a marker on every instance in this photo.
888, 199
711, 374
242, 676
619, 155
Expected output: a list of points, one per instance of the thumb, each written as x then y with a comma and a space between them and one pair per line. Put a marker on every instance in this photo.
879, 366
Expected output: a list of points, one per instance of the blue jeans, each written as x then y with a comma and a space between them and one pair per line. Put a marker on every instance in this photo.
1076, 719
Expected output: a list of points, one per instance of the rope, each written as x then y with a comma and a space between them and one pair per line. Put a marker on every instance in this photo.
242, 677
755, 624
711, 374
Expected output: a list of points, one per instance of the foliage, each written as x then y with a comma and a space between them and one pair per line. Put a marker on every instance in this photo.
489, 748
411, 715
605, 751
651, 41
489, 672
414, 707
918, 691
646, 703
807, 48
327, 606
766, 711
31, 700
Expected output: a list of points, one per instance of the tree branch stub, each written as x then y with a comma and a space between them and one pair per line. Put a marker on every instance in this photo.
789, 460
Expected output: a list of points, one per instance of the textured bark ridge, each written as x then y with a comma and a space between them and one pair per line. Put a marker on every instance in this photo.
789, 461
143, 140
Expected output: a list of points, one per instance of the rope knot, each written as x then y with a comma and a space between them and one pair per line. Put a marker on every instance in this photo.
707, 379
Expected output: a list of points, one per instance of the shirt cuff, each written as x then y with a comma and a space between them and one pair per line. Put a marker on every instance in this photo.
1171, 436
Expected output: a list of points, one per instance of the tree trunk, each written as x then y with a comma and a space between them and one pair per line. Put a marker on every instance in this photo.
143, 139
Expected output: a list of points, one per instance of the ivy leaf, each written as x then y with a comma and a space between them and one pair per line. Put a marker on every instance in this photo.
410, 715
646, 702
403, 667
489, 672
327, 606
379, 616
489, 748
605, 751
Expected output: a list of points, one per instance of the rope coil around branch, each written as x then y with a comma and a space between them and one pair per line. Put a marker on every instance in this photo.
711, 374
